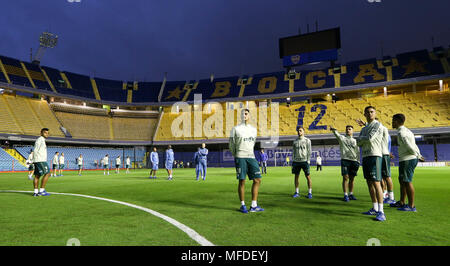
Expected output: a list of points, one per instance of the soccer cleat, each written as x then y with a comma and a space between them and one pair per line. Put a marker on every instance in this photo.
396, 204
36, 195
346, 198
407, 208
243, 209
256, 209
309, 196
370, 212
380, 217
389, 201
44, 193
296, 195
351, 197
30, 177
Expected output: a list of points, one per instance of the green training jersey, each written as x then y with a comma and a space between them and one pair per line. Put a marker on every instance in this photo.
242, 141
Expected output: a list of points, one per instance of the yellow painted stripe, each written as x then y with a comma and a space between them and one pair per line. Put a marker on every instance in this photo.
66, 80
48, 80
28, 75
4, 72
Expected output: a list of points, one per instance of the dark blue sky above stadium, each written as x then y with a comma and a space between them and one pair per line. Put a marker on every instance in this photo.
190, 39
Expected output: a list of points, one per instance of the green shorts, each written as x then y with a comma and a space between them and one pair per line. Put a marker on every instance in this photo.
406, 170
297, 167
349, 167
386, 166
31, 167
372, 168
41, 168
247, 166
61, 166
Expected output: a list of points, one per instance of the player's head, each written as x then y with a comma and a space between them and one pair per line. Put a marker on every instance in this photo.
169, 147
203, 145
62, 153
300, 131
56, 153
370, 113
44, 132
154, 148
398, 120
262, 150
349, 130
81, 155
245, 115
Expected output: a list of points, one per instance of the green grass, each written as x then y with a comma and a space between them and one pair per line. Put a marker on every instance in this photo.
211, 209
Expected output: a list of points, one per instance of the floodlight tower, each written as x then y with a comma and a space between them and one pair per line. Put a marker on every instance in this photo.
46, 40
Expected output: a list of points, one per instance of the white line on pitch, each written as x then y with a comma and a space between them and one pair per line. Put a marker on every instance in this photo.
189, 231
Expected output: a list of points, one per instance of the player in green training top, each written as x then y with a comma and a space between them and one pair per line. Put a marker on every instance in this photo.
408, 154
349, 160
242, 142
41, 168
301, 158
370, 141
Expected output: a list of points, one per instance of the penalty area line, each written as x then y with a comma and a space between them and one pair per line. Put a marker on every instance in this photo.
189, 231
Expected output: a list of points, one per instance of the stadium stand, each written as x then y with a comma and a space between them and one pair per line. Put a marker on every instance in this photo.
9, 163
111, 90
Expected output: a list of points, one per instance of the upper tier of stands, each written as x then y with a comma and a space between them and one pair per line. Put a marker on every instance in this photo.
421, 110
402, 66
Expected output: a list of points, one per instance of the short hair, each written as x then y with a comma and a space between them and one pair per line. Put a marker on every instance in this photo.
246, 109
298, 127
170, 146
399, 117
348, 126
368, 107
44, 129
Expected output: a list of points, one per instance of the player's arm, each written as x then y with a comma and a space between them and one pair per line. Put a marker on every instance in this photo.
370, 135
410, 146
232, 144
336, 133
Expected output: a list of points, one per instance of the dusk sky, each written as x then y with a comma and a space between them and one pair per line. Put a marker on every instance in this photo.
190, 39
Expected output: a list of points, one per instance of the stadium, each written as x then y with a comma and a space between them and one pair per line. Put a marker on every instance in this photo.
94, 116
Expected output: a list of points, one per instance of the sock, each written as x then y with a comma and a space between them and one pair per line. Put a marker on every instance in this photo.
375, 206
242, 203
41, 189
297, 190
380, 207
391, 195
36, 190
254, 204
310, 191
345, 194
351, 193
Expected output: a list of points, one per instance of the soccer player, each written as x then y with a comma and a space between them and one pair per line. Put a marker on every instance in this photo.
61, 164
105, 162
386, 183
370, 139
30, 165
128, 164
118, 164
169, 161
263, 161
55, 164
203, 153
408, 154
349, 160
301, 158
41, 168
80, 164
154, 158
197, 163
319, 163
241, 143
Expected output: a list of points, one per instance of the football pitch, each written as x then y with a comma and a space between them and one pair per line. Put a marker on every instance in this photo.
209, 209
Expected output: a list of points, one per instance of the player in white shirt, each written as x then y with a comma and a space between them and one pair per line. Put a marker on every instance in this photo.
41, 168
409, 155
80, 164
128, 164
105, 163
370, 141
118, 162
30, 165
61, 164
55, 164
